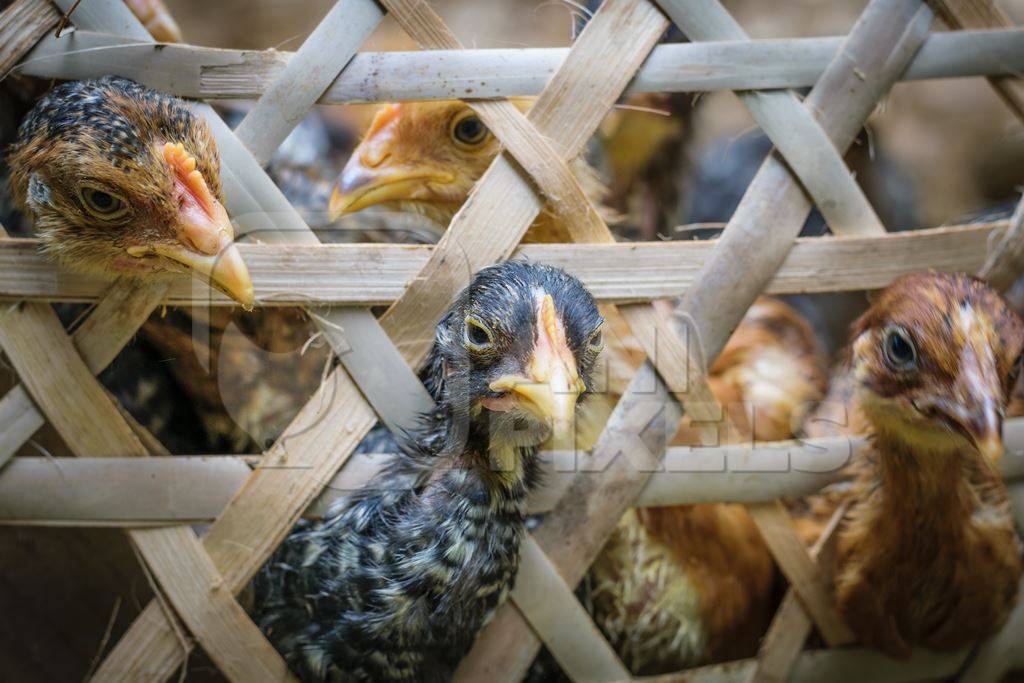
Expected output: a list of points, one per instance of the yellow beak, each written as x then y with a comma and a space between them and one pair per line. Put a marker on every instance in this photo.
380, 179
551, 386
224, 270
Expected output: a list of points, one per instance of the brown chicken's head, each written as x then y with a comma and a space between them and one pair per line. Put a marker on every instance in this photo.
935, 359
124, 180
422, 157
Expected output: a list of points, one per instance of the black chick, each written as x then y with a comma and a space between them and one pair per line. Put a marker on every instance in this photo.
395, 582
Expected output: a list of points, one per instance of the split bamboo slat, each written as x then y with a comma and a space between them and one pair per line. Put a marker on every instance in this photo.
375, 274
251, 510
219, 74
195, 489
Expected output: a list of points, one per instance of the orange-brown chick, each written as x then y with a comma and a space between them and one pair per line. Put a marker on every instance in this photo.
425, 157
684, 585
122, 180
927, 552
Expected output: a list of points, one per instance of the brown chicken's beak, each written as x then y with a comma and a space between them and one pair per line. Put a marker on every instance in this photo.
976, 404
205, 235
360, 186
551, 385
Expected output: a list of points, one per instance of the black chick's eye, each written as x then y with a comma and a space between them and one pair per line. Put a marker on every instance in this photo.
596, 341
103, 204
470, 130
477, 336
900, 353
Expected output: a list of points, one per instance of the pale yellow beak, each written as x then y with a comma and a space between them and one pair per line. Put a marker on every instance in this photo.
224, 270
984, 424
373, 175
551, 385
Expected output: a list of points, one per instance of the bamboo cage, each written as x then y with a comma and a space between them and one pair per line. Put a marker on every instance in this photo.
251, 503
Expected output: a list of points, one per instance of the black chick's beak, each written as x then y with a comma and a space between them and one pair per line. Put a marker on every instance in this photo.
205, 237
551, 385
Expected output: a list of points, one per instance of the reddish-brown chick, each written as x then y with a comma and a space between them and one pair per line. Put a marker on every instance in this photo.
927, 553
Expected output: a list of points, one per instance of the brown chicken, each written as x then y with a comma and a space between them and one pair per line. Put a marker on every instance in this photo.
425, 157
680, 586
927, 552
122, 180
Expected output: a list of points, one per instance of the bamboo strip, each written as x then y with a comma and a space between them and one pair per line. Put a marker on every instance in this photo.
792, 129
211, 73
1004, 264
557, 616
781, 645
323, 55
774, 207
373, 274
961, 14
817, 164
219, 623
195, 489
22, 24
844, 665
505, 648
801, 571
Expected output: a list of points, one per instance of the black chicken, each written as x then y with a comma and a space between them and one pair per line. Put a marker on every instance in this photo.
395, 582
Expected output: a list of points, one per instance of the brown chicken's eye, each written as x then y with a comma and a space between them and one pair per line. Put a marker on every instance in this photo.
102, 204
900, 353
477, 336
469, 130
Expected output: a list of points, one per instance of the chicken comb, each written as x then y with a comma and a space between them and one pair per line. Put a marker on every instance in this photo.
184, 166
384, 116
549, 319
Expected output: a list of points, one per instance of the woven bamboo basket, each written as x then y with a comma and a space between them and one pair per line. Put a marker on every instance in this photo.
250, 503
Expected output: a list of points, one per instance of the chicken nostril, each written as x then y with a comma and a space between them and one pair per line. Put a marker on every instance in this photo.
374, 158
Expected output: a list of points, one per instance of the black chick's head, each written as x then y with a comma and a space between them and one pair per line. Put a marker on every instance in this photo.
515, 354
935, 359
125, 180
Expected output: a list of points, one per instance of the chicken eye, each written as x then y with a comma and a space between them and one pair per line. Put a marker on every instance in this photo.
596, 342
900, 353
103, 204
477, 336
469, 130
